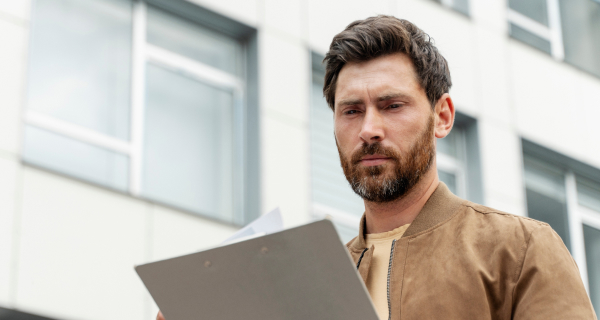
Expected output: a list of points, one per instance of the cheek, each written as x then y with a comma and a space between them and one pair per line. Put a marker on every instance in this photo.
404, 132
339, 139
344, 134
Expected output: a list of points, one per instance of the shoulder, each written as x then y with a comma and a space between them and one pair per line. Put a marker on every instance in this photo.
494, 224
501, 218
349, 243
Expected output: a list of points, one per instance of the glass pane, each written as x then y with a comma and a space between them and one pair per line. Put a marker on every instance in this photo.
581, 33
588, 193
193, 41
80, 63
189, 144
592, 254
329, 185
530, 38
545, 179
546, 196
449, 179
75, 158
550, 210
449, 144
534, 9
461, 6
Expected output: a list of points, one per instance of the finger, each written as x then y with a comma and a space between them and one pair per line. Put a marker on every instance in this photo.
159, 316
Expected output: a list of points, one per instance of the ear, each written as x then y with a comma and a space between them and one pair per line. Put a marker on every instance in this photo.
444, 116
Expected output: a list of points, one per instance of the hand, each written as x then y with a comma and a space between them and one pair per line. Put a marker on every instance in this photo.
159, 316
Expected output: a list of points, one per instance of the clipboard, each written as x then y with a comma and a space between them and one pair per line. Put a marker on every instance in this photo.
297, 274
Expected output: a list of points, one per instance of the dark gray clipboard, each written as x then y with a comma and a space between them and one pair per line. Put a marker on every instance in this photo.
297, 274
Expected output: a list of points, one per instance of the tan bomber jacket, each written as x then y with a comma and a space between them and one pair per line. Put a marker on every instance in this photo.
461, 260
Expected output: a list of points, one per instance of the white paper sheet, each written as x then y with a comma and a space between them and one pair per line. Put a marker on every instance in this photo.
266, 224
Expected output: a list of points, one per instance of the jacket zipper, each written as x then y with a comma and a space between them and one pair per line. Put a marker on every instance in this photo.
388, 281
360, 259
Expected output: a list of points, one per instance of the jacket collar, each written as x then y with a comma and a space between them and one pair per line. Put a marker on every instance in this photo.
440, 206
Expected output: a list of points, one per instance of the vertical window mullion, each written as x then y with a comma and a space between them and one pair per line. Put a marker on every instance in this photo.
558, 51
239, 154
462, 166
137, 96
576, 227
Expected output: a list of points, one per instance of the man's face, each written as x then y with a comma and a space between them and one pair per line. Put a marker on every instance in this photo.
384, 127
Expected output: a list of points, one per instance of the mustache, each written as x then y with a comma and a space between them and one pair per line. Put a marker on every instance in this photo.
371, 149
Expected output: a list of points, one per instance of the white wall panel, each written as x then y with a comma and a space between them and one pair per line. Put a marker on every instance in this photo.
175, 233
492, 87
589, 88
500, 201
501, 167
490, 15
547, 98
285, 170
78, 247
284, 72
12, 75
288, 16
9, 170
16, 8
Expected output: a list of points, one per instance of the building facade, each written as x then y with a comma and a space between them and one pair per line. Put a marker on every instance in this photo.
137, 130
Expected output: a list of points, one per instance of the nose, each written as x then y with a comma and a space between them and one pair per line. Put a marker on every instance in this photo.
372, 126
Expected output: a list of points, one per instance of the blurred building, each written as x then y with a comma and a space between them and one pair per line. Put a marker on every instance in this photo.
132, 131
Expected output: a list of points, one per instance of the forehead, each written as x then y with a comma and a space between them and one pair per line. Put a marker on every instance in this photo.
393, 72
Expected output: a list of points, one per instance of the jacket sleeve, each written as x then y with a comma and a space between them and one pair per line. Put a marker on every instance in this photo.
548, 285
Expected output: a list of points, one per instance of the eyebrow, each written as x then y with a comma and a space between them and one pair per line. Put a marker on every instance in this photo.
391, 96
350, 102
385, 97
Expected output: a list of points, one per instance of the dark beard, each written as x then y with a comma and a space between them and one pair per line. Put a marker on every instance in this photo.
372, 183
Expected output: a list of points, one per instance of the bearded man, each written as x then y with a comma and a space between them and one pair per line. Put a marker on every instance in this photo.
423, 252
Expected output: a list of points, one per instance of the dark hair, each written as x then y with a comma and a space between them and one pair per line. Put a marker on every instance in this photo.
363, 40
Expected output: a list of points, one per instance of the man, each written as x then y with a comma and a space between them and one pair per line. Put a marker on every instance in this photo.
423, 252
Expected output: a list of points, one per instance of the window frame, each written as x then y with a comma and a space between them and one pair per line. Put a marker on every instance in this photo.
552, 33
450, 4
577, 214
144, 53
456, 166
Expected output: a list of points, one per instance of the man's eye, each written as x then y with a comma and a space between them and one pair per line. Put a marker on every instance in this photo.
351, 112
395, 106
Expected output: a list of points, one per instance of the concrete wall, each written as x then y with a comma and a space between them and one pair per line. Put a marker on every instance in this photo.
67, 248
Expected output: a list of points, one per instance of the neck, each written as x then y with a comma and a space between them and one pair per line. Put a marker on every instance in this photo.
386, 216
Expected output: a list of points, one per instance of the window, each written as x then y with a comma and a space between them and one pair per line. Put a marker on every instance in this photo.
568, 30
143, 98
537, 22
458, 159
461, 6
333, 197
450, 161
581, 33
566, 194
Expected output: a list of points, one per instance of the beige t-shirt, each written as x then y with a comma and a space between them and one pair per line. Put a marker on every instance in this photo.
378, 271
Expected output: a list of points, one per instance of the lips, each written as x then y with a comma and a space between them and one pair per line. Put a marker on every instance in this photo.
373, 160
373, 157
